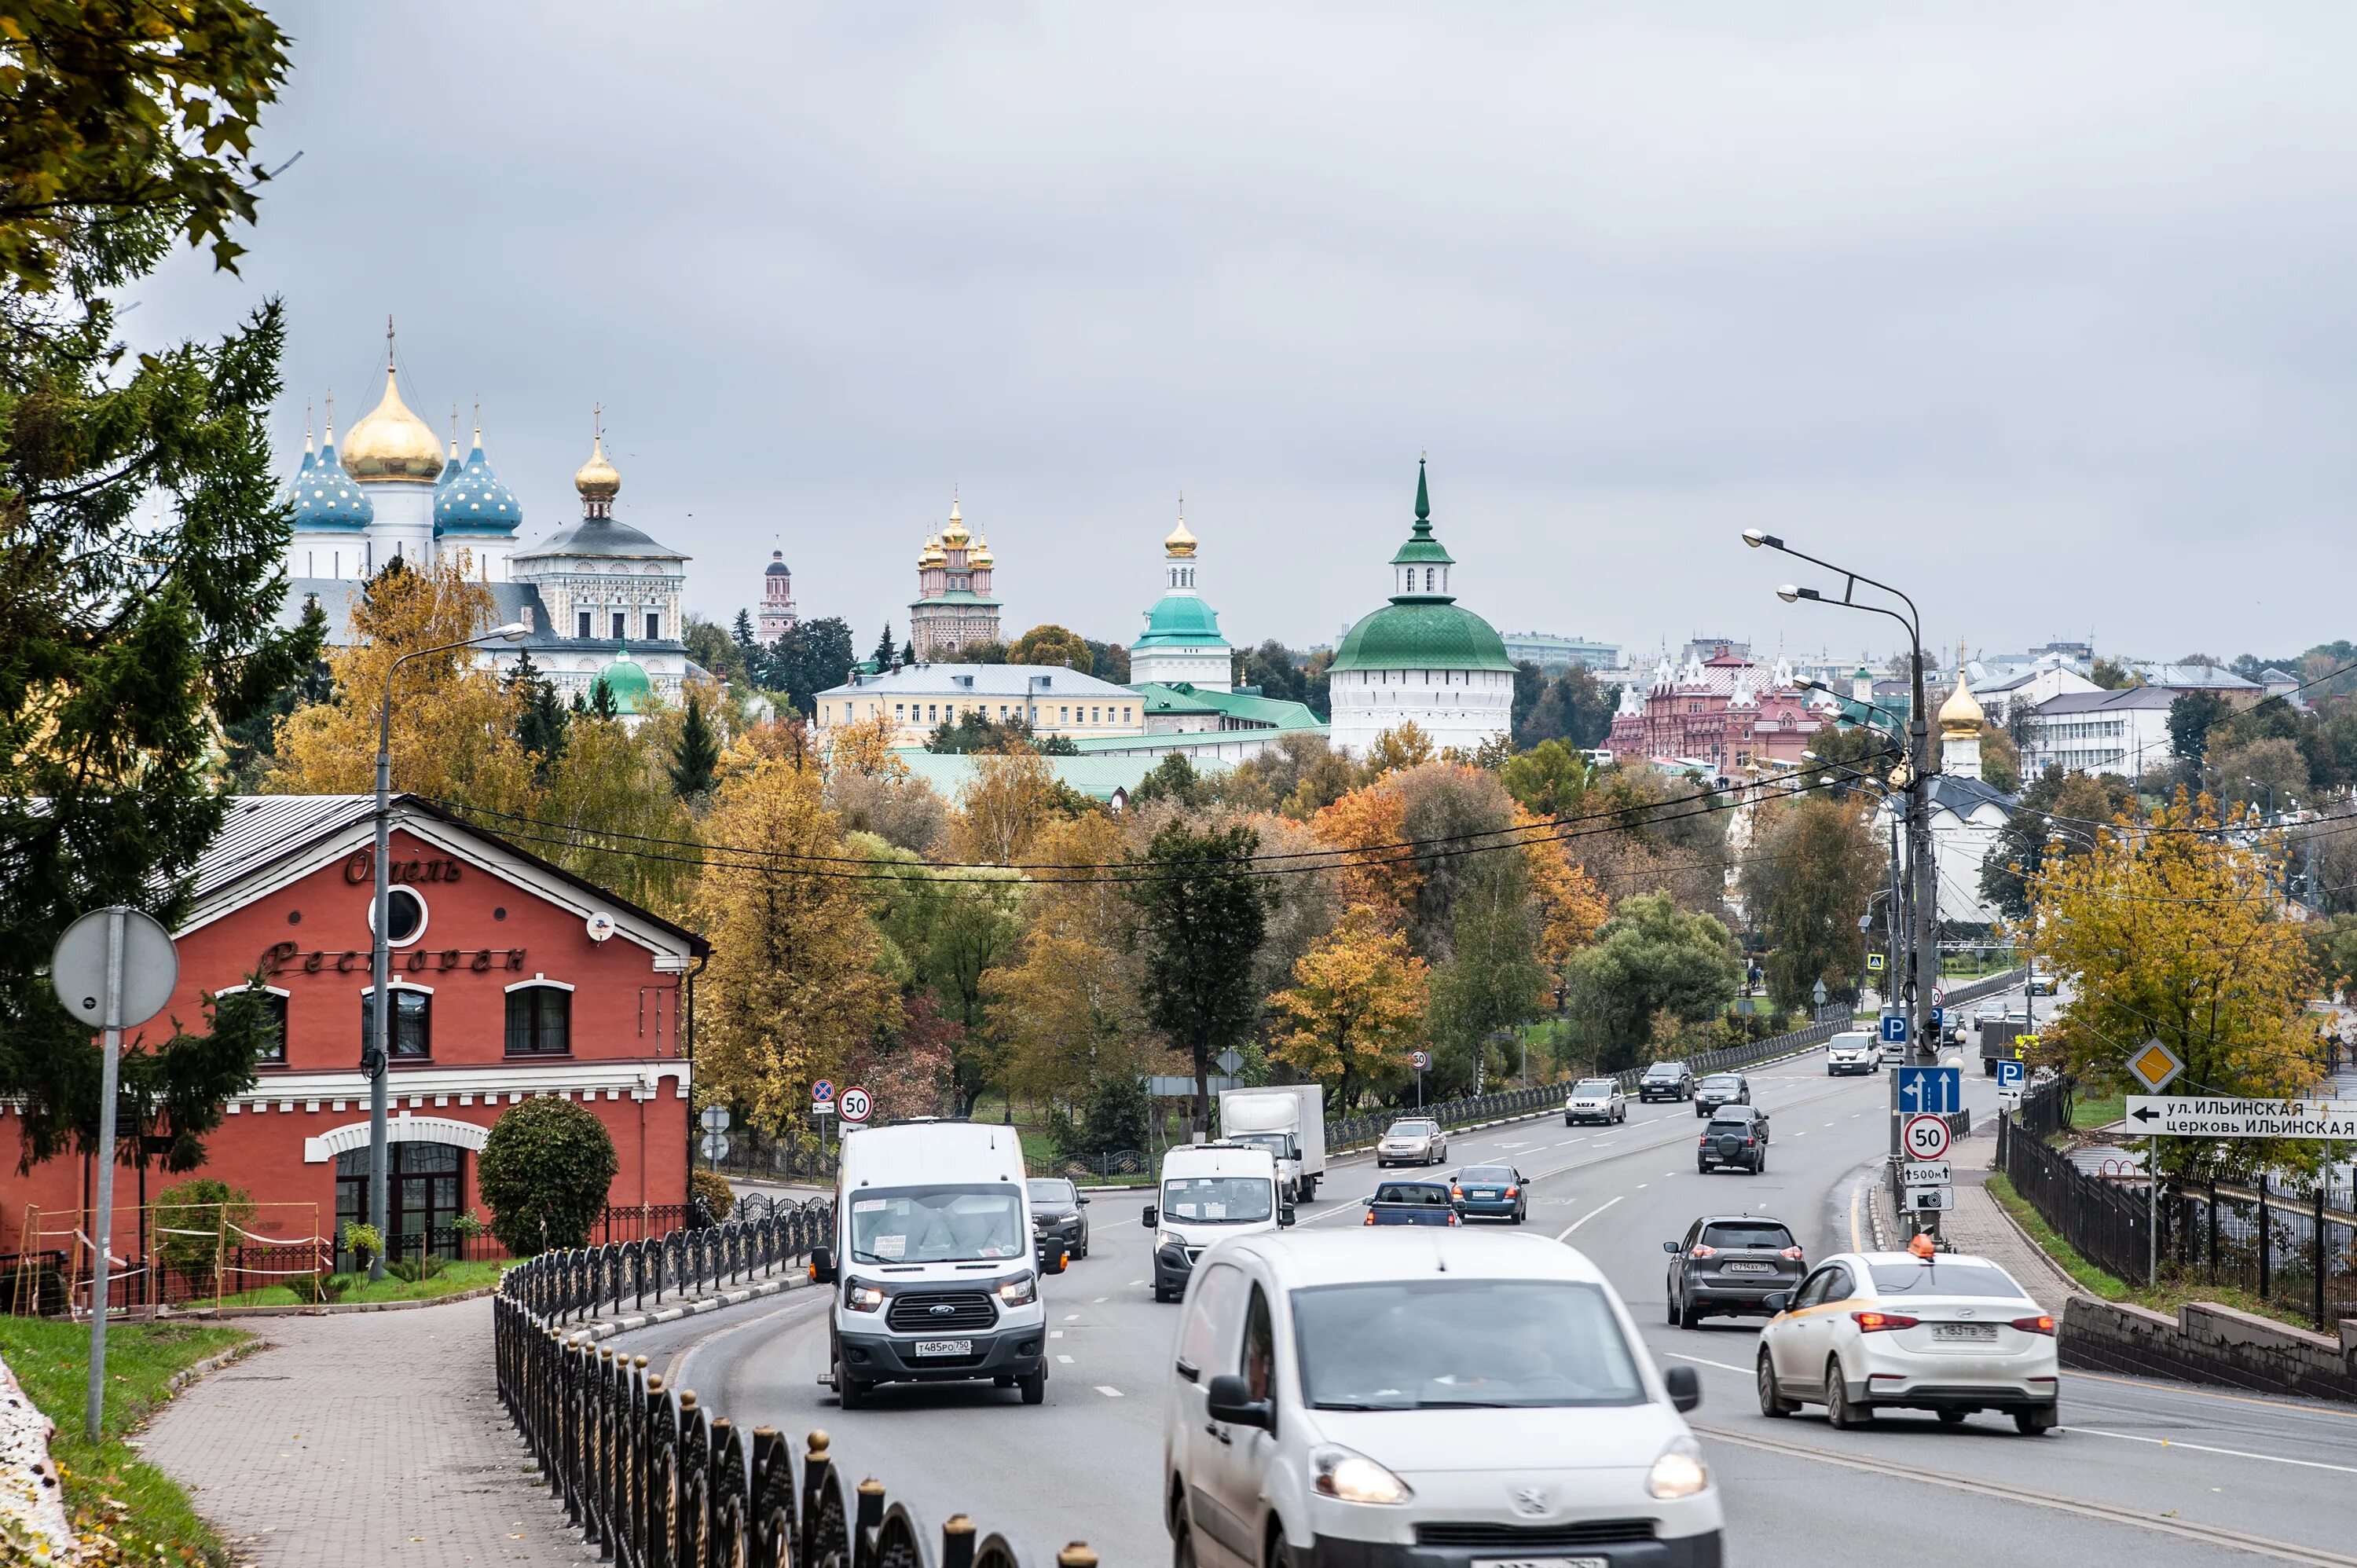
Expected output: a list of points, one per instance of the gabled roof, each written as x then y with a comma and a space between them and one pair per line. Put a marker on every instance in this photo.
1961, 795
1180, 697
2100, 702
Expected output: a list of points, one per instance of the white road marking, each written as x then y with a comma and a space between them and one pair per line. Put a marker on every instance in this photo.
1109, 1393
1141, 1281
1722, 1365
1066, 1360
1643, 1185
1059, 1334
1827, 1124
2076, 1429
1098, 1301
1071, 1317
1587, 1216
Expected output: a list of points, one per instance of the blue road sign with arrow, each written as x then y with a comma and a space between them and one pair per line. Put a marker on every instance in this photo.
1938, 1091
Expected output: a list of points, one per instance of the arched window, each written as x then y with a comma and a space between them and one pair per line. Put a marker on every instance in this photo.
413, 1020
540, 1018
1427, 579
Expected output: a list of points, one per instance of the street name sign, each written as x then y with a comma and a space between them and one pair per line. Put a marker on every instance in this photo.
2198, 1116
1925, 1173
2155, 1065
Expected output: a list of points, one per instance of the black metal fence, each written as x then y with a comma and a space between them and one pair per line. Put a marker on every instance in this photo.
652, 1479
2107, 1223
754, 1155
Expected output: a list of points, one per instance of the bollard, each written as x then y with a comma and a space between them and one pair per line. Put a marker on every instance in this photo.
957, 1542
871, 1503
1076, 1555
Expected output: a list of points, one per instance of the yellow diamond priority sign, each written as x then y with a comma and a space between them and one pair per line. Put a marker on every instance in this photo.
2155, 1065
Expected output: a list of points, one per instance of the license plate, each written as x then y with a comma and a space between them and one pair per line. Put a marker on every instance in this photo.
1750, 1268
1975, 1331
1541, 1562
942, 1348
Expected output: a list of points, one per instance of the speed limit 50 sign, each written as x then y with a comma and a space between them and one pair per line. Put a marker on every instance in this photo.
1925, 1137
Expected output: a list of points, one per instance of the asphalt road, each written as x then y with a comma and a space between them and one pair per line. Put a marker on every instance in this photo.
2153, 1474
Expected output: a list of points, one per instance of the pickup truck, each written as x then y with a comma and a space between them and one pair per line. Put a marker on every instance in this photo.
1412, 1203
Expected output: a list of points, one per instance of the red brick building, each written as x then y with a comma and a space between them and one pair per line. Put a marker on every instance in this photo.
510, 978
1723, 711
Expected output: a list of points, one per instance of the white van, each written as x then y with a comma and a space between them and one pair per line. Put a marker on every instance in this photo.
1210, 1192
1852, 1050
932, 1256
1326, 1403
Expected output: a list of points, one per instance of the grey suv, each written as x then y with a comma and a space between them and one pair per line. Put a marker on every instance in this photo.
1729, 1264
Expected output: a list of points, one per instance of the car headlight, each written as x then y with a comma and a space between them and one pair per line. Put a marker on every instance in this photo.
862, 1299
1020, 1291
1069, 1219
1355, 1478
1679, 1472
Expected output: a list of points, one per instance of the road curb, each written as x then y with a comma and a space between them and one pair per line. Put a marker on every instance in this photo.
606, 1328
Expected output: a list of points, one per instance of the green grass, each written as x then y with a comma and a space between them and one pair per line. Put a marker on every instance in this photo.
2089, 1111
454, 1279
2097, 1281
108, 1487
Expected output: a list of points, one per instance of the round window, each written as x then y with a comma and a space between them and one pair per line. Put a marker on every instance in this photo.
406, 921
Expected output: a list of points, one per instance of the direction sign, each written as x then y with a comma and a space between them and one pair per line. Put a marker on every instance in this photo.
1894, 1029
2009, 1075
1924, 1173
1419, 1060
714, 1146
856, 1105
2155, 1065
822, 1089
1938, 1089
715, 1118
1925, 1137
2196, 1116
1924, 1199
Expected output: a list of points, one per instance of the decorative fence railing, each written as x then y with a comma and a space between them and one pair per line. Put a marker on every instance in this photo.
652, 1479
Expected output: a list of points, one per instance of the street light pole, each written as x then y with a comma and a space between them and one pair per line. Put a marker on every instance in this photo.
376, 1052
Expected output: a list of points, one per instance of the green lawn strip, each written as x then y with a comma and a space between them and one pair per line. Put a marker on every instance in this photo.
109, 1488
2172, 1293
454, 1279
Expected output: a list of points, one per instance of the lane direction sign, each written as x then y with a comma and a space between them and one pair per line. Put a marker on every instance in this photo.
2155, 1065
2214, 1116
1939, 1090
1925, 1138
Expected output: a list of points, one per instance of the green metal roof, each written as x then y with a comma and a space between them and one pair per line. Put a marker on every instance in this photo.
1422, 634
1180, 697
1422, 548
626, 684
1180, 620
956, 597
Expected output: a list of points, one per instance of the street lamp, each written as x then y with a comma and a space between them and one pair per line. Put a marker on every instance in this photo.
377, 1051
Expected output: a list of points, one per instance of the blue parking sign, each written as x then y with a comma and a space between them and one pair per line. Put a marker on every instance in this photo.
1939, 1016
2010, 1075
1894, 1029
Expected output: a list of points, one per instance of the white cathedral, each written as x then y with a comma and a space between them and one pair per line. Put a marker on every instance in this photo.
603, 599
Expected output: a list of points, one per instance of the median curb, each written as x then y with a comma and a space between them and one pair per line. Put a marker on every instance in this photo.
606, 1328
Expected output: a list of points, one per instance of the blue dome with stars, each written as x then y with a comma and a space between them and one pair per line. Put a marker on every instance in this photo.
473, 501
323, 496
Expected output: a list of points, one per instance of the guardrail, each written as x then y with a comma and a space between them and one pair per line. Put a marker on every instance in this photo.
649, 1477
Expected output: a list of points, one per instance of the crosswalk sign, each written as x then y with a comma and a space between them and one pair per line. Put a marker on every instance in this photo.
1874, 963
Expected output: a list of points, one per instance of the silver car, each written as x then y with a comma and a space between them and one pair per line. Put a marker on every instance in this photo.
1414, 1140
1595, 1100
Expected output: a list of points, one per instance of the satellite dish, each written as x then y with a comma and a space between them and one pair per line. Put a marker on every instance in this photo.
599, 925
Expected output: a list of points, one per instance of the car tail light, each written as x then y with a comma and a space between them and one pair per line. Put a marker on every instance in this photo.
1371, 1217
1511, 1191
1456, 1219
1456, 1191
1702, 1251
1877, 1322
1793, 1254
2041, 1324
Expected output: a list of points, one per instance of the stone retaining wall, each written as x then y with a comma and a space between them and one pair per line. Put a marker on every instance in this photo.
2207, 1343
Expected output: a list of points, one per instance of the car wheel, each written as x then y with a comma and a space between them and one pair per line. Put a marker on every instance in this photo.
1952, 1417
1035, 1386
1566, 1121
1839, 1411
1162, 1294
2037, 1421
1773, 1402
1760, 1164
850, 1393
1687, 1316
1669, 1302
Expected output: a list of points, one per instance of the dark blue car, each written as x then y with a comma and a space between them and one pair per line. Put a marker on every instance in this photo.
1491, 1192
1412, 1203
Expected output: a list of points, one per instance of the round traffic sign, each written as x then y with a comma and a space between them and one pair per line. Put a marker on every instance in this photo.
715, 1119
714, 1145
822, 1089
856, 1105
1925, 1137
1419, 1060
151, 967
1939, 997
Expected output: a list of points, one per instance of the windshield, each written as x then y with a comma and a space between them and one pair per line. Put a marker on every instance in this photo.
1728, 1085
937, 1225
1911, 1278
1739, 1126
1218, 1199
1663, 1069
1402, 1344
1049, 1193
1726, 1233
1485, 1172
1411, 1130
1593, 1085
1277, 1143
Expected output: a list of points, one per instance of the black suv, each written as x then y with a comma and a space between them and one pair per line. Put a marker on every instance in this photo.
1737, 1137
1727, 1263
1665, 1081
1721, 1089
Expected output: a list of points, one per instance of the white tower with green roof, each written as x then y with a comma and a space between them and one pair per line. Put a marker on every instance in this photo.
1422, 658
1182, 641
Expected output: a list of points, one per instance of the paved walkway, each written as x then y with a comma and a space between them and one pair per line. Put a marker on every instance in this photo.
364, 1439
1978, 1225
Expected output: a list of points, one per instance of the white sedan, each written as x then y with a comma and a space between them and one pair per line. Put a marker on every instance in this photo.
1952, 1334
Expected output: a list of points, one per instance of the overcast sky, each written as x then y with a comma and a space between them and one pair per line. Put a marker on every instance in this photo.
2040, 311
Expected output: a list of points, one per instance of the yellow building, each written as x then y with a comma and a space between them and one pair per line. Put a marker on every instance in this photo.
1050, 698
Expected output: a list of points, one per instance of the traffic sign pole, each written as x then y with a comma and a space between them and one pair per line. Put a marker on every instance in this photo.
101, 1228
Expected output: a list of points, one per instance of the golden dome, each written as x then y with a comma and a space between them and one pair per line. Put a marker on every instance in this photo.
933, 555
1179, 544
390, 443
596, 480
1961, 714
954, 535
981, 555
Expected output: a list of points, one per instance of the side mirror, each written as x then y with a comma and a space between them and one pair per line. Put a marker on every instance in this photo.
1671, 1248
1151, 1218
1052, 1262
1777, 1300
1684, 1385
1229, 1399
821, 1265
1082, 1202
1284, 1215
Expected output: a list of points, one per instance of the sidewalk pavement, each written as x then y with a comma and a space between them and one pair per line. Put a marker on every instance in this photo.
364, 1441
1978, 1225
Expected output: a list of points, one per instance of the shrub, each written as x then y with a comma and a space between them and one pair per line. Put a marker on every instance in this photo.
544, 1170
714, 1188
199, 1206
364, 1242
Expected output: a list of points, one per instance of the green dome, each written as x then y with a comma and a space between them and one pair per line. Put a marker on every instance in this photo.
1181, 620
626, 684
1422, 634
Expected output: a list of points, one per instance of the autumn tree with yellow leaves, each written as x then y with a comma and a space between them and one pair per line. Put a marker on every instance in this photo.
1356, 1005
2173, 930
1067, 1003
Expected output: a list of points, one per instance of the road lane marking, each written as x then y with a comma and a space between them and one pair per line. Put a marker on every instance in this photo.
1098, 1301
1643, 1185
1706, 1361
1856, 1187
1108, 1392
1064, 1359
2205, 1448
1587, 1216
1059, 1334
1071, 1317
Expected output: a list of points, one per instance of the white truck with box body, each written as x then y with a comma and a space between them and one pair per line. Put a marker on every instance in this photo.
933, 1261
1289, 1122
1209, 1193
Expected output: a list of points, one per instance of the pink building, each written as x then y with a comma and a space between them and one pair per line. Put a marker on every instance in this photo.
1726, 713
